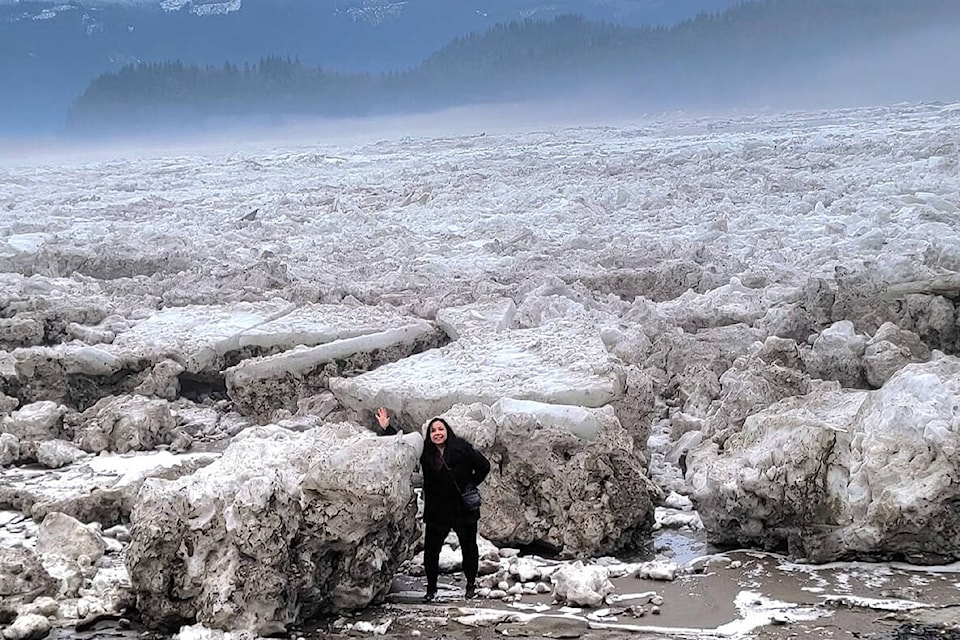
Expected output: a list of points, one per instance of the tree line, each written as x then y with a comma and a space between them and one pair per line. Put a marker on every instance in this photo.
719, 57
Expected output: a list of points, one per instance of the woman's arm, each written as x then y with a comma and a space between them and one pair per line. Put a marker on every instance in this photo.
383, 419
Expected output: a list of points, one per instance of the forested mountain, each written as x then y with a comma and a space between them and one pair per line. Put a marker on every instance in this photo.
805, 52
50, 51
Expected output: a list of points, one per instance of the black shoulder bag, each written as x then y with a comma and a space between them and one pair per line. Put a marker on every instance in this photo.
469, 495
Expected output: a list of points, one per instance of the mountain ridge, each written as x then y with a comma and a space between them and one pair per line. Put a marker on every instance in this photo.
50, 51
768, 52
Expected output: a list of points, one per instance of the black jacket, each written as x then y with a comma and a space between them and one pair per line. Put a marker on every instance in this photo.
445, 476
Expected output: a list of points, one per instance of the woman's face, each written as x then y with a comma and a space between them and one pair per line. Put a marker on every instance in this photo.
438, 433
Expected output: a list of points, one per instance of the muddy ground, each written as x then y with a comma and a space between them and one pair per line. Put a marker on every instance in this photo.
738, 594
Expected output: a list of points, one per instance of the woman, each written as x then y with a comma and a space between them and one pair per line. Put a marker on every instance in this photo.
449, 464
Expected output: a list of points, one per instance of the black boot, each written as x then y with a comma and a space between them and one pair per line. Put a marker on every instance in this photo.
471, 591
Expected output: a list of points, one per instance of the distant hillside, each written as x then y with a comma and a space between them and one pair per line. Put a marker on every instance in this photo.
50, 51
781, 52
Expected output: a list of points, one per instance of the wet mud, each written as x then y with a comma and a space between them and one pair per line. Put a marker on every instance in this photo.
739, 594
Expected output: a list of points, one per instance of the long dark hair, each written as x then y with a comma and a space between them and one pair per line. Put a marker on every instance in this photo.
430, 450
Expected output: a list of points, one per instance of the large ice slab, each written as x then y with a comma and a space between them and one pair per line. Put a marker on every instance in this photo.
280, 529
197, 336
561, 363
843, 474
491, 314
592, 495
259, 386
315, 324
99, 488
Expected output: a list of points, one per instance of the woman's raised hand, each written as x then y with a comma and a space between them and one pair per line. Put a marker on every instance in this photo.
383, 417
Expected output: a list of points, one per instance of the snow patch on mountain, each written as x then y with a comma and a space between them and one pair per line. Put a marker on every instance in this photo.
46, 14
202, 9
216, 8
374, 11
90, 24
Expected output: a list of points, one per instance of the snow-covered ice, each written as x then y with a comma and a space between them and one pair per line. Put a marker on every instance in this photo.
561, 274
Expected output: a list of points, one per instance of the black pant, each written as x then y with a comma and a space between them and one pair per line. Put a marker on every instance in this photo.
435, 535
